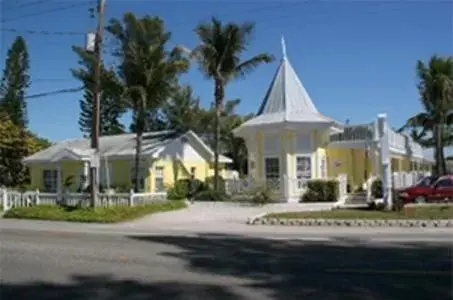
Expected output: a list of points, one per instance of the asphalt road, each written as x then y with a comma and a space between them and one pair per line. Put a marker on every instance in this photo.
65, 265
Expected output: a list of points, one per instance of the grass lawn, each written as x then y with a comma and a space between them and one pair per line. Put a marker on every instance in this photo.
99, 215
415, 212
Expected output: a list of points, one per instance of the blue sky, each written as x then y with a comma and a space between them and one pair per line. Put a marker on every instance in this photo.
355, 58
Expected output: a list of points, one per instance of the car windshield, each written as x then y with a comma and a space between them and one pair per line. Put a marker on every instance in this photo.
426, 181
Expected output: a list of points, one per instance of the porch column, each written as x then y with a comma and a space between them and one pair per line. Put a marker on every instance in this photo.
85, 174
59, 179
385, 160
375, 149
284, 177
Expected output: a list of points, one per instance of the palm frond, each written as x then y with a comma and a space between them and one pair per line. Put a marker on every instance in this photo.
248, 66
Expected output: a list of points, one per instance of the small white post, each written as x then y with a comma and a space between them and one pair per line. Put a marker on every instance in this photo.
37, 197
5, 199
385, 160
131, 197
59, 183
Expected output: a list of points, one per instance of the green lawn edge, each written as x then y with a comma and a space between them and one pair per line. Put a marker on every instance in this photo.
413, 213
114, 214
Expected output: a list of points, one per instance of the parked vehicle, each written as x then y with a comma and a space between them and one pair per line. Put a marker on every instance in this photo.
420, 192
442, 190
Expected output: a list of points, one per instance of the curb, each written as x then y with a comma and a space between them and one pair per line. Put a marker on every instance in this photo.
256, 218
259, 220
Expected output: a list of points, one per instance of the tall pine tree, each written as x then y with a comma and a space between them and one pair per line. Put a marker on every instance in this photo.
15, 81
183, 112
112, 106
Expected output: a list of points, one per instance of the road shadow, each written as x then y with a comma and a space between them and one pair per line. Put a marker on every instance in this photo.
104, 287
345, 269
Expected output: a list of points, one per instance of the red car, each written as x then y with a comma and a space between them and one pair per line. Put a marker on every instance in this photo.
421, 191
442, 190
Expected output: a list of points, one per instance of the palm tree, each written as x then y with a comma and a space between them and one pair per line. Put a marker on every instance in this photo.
432, 127
219, 57
149, 72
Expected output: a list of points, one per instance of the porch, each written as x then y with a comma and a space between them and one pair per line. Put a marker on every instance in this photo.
356, 152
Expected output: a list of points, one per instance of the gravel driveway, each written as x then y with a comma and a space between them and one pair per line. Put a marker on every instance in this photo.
219, 213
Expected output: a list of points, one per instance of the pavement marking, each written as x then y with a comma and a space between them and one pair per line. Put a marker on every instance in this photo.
393, 272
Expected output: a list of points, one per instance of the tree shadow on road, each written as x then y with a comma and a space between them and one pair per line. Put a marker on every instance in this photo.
104, 287
345, 269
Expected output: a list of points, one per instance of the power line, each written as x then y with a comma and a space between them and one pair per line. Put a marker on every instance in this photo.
44, 12
42, 32
57, 92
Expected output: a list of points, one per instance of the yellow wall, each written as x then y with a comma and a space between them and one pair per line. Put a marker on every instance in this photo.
121, 172
352, 162
175, 170
68, 169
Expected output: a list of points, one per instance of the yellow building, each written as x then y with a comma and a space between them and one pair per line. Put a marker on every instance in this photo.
289, 141
166, 157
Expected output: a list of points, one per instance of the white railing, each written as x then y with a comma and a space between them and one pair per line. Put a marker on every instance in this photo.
363, 132
10, 199
404, 144
406, 179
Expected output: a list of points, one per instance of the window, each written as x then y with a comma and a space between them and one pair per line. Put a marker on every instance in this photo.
159, 179
303, 167
141, 178
272, 171
50, 180
444, 183
303, 170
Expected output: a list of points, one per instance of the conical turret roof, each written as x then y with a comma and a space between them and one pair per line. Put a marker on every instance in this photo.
287, 101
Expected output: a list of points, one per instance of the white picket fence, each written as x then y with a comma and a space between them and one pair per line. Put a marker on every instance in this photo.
10, 198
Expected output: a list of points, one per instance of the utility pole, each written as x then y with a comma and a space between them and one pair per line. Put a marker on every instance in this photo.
95, 161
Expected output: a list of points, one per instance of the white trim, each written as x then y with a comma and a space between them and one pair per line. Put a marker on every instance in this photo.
222, 158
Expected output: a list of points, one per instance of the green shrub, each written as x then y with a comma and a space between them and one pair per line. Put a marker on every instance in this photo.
210, 195
377, 191
320, 190
261, 196
180, 190
210, 183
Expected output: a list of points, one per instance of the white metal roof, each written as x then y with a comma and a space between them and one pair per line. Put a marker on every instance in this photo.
287, 101
122, 145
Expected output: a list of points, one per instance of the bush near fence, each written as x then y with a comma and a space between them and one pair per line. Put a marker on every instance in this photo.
321, 190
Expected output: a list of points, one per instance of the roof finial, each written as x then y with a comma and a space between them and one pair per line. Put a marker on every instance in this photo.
283, 47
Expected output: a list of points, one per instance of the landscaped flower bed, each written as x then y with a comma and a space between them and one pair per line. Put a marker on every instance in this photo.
413, 216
